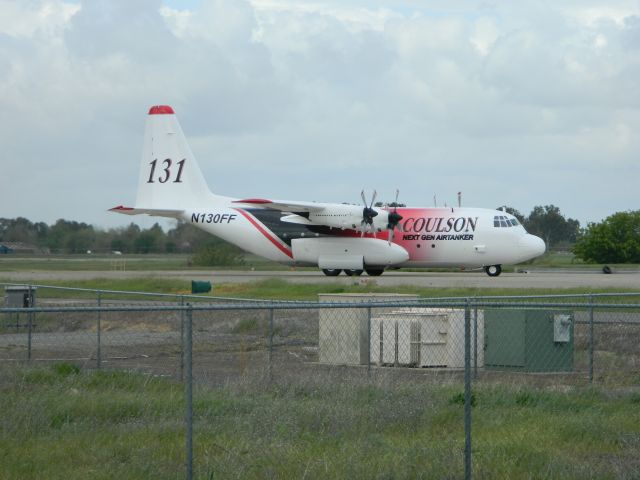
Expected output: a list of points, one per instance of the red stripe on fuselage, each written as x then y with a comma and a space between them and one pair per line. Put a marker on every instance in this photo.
264, 232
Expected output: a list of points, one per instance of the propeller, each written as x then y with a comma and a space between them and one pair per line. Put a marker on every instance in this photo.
393, 220
368, 213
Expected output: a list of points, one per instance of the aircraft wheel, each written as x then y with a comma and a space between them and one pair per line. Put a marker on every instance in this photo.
353, 273
331, 272
493, 270
374, 272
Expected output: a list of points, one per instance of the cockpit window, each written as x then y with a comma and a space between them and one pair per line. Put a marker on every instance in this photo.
503, 221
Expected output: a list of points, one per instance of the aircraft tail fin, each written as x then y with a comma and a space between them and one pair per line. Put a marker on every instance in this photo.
170, 177
170, 180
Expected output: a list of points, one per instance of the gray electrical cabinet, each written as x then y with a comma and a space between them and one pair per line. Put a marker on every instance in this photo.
531, 340
19, 296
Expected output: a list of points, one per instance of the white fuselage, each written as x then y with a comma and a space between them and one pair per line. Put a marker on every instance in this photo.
432, 237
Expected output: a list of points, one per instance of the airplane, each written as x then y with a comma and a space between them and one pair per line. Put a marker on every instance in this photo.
335, 237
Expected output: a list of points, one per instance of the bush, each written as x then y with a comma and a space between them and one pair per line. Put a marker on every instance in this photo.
218, 254
614, 240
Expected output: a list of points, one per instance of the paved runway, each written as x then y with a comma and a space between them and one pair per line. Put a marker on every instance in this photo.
535, 279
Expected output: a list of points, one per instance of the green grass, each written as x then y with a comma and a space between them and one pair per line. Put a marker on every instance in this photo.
60, 423
130, 262
284, 290
11, 263
278, 289
140, 284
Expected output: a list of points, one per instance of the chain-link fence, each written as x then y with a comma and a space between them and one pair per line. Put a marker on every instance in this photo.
562, 340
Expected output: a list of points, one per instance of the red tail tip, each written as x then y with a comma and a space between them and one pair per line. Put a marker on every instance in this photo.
161, 110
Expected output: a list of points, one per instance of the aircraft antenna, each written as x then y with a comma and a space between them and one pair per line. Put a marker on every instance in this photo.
459, 199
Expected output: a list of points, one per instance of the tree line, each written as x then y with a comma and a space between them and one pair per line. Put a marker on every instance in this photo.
68, 237
614, 240
548, 223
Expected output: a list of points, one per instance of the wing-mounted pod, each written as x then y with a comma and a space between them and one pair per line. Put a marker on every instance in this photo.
347, 252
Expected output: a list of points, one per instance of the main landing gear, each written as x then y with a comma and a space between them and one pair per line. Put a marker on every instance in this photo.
493, 270
331, 272
353, 273
374, 272
334, 272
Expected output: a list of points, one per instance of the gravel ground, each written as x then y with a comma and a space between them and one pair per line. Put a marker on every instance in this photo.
230, 345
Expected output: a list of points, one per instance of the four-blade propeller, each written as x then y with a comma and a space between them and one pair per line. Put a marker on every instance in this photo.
369, 213
394, 219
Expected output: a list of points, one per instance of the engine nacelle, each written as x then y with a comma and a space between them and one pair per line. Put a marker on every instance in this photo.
348, 217
347, 252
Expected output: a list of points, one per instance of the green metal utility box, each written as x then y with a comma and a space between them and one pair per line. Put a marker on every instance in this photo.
531, 340
200, 287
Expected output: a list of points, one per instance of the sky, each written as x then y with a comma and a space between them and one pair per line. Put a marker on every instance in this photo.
512, 103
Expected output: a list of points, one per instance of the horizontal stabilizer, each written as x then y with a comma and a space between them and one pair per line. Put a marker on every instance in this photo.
147, 211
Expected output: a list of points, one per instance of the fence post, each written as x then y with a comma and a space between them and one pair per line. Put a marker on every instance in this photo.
99, 332
31, 304
591, 339
475, 341
269, 364
395, 343
467, 391
188, 393
182, 313
368, 341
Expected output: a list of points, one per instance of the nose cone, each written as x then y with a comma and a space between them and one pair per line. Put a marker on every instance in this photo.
532, 246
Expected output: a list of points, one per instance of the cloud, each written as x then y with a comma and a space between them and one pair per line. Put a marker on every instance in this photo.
522, 104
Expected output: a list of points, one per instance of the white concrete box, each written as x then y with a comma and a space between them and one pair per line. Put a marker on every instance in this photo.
344, 332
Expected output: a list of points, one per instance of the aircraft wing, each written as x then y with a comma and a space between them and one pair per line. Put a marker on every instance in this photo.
149, 211
284, 205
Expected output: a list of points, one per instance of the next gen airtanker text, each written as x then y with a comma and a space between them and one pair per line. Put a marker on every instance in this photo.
421, 228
